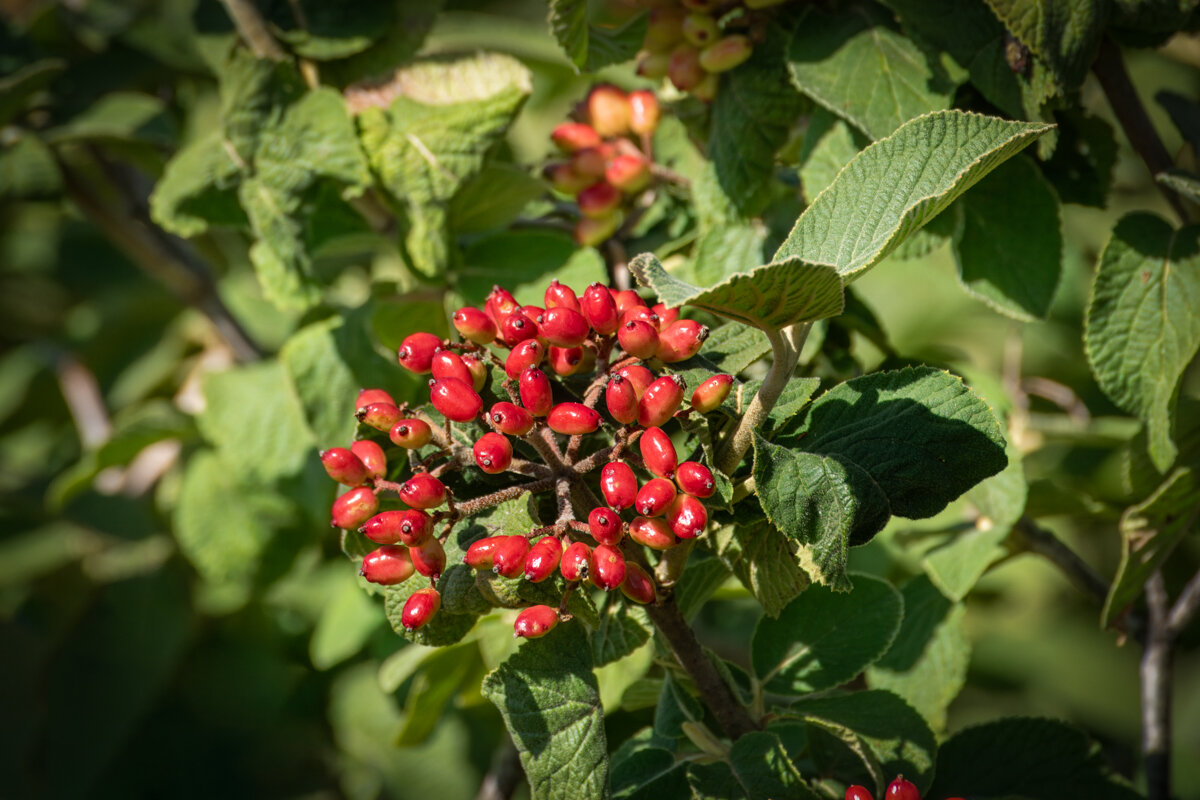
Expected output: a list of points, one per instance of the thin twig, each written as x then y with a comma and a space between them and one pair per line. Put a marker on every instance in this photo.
253, 29
505, 774
81, 391
1156, 693
1185, 608
1037, 539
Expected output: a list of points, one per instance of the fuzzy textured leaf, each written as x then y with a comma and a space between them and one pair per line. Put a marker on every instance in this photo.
1063, 34
763, 560
759, 768
590, 46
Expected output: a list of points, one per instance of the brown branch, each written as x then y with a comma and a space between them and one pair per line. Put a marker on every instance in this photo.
253, 29
1185, 608
1155, 672
1037, 539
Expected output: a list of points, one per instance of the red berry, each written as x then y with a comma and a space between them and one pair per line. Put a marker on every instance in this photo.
372, 457
380, 416
517, 328
368, 396
599, 200
661, 400
535, 621
543, 558
420, 608
446, 364
429, 558
643, 112
653, 532
564, 327
665, 315
423, 490
566, 360
658, 453
621, 399
410, 526
638, 338
565, 179
654, 497
857, 792
608, 567
684, 69
727, 53
536, 393
508, 557
605, 526
572, 136
618, 484
629, 173
559, 295
639, 376
710, 394
387, 565
511, 418
526, 354
626, 299
344, 466
481, 552
590, 162
695, 479
681, 340
474, 325
600, 309
416, 351
900, 789
411, 434
478, 370
608, 110
641, 313
455, 399
573, 419
354, 508
500, 304
687, 516
576, 562
493, 453
638, 586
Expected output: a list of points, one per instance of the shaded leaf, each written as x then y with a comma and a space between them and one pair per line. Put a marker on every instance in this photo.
1063, 34
591, 46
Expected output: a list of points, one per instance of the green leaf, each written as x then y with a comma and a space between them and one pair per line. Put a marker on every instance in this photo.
1025, 759
1081, 169
828, 147
805, 649
699, 581
1182, 182
751, 118
909, 177
734, 346
1143, 322
198, 188
1009, 249
770, 297
1062, 34
324, 382
524, 261
409, 24
28, 169
865, 72
347, 620
623, 628
120, 117
493, 198
17, 87
927, 663
880, 725
759, 768
763, 559
647, 773
959, 563
440, 678
795, 395
724, 251
591, 46
332, 31
550, 702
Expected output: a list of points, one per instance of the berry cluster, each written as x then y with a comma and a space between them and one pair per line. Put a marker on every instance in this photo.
529, 351
606, 169
899, 789
691, 42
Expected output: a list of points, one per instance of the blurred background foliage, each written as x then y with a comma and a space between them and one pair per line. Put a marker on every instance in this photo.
176, 615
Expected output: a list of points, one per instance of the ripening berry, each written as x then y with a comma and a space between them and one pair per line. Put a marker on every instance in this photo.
478, 370
658, 453
410, 526
695, 479
474, 325
629, 173
565, 179
621, 399
591, 161
599, 200
857, 792
608, 567
368, 396
684, 70
411, 434
534, 622
559, 295
680, 340
651, 65
420, 608
380, 416
600, 309
576, 563
416, 351
661, 401
387, 565
354, 508
605, 526
508, 557
571, 136
344, 466
536, 393
592, 231
900, 789
700, 30
542, 559
573, 419
493, 453
727, 53
639, 376
446, 364
608, 111
710, 394
706, 89
517, 328
480, 554
429, 558
700, 6
500, 304
565, 360
643, 110
639, 339
528, 353
654, 497
455, 400
638, 586
564, 327
511, 419
653, 532
641, 313
687, 516
372, 457
618, 484
423, 490
664, 29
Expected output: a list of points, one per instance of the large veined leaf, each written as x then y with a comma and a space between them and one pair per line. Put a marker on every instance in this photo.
550, 701
762, 558
758, 768
589, 44
1143, 323
896, 185
770, 297
1063, 34
197, 189
867, 73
